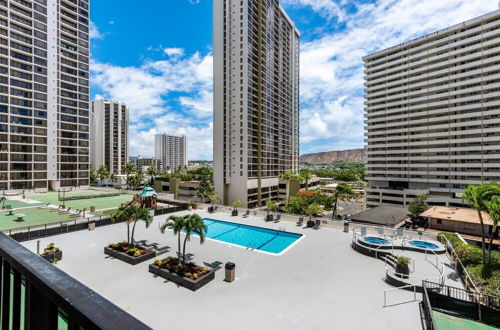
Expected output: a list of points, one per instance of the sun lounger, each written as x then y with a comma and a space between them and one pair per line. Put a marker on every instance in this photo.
278, 218
162, 250
301, 221
141, 242
247, 213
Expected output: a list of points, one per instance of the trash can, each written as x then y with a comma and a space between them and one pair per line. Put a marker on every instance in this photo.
230, 271
92, 209
91, 225
346, 226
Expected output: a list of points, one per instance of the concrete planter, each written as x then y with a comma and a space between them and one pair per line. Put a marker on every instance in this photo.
402, 270
269, 217
188, 283
234, 213
210, 209
57, 255
129, 259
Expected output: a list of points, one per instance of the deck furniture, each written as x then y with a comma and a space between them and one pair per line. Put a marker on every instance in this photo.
301, 221
216, 265
20, 217
9, 208
247, 213
363, 231
141, 242
162, 250
278, 218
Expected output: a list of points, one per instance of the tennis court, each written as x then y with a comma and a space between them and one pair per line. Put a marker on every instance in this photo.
80, 204
14, 203
35, 216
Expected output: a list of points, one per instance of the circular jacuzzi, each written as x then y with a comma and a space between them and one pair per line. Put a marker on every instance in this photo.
375, 240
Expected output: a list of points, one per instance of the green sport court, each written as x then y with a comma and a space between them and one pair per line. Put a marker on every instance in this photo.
35, 216
448, 322
80, 204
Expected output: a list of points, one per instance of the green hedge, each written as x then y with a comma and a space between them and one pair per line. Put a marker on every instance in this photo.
486, 277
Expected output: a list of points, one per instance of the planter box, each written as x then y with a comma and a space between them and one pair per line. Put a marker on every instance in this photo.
269, 217
129, 259
182, 281
234, 213
50, 256
210, 209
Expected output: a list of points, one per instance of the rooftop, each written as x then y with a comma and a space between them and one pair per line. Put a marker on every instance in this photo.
319, 283
455, 214
382, 215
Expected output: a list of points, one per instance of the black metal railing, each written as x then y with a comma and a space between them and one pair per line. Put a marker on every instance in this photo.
427, 310
35, 294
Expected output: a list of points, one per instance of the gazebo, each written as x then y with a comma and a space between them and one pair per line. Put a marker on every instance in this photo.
148, 198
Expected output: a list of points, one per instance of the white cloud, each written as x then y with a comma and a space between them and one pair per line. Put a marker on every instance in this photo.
94, 32
172, 96
174, 51
332, 67
327, 8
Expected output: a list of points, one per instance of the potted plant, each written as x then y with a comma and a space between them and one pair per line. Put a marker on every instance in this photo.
178, 269
313, 210
236, 203
271, 206
52, 253
402, 266
213, 199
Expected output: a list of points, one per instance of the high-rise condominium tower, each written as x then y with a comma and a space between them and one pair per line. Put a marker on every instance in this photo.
44, 94
109, 134
433, 114
256, 99
171, 151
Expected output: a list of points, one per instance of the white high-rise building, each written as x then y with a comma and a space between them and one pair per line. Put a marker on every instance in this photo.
433, 114
256, 99
171, 151
44, 94
109, 134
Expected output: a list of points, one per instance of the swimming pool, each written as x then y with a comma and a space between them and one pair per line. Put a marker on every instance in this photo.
375, 240
263, 239
424, 245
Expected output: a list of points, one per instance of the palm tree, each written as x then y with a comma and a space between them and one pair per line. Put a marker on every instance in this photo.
213, 199
112, 178
342, 192
152, 172
137, 179
176, 224
313, 209
128, 169
102, 173
493, 208
136, 214
306, 175
270, 206
477, 196
236, 204
93, 175
204, 189
193, 224
126, 214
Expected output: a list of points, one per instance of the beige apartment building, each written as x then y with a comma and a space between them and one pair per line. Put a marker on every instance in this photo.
44, 94
432, 110
256, 99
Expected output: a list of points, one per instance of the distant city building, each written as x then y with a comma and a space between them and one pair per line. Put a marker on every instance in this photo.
256, 99
132, 159
432, 114
145, 163
171, 150
109, 134
44, 94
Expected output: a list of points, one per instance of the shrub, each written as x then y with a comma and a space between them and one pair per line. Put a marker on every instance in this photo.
469, 255
402, 260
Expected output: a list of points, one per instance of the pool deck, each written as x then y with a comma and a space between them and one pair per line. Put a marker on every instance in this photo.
319, 283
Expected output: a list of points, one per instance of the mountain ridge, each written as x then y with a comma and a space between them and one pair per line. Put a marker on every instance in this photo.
355, 155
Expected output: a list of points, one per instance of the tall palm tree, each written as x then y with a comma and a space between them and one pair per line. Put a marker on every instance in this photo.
93, 175
342, 192
128, 169
102, 173
176, 224
306, 175
124, 214
152, 172
477, 196
193, 224
112, 178
204, 189
139, 214
493, 208
270, 206
137, 179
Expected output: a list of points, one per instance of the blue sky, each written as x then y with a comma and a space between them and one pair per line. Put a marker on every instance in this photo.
155, 55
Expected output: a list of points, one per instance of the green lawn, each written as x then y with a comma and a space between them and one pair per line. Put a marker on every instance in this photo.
99, 203
448, 322
33, 217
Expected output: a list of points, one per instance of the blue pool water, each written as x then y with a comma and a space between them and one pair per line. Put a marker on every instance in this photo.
424, 245
258, 238
375, 240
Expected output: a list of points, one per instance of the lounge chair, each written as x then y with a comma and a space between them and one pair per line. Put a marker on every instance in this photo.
216, 265
301, 221
141, 242
162, 250
381, 231
215, 208
317, 224
247, 213
278, 218
363, 231
9, 208
399, 233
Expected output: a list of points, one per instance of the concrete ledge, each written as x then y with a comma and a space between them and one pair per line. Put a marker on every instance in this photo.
129, 259
192, 285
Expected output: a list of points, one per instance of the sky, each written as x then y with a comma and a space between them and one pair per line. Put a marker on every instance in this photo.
156, 56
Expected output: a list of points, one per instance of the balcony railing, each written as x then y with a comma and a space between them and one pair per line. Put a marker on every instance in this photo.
35, 294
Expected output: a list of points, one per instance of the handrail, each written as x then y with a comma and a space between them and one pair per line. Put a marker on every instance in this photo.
427, 308
49, 289
401, 288
454, 257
